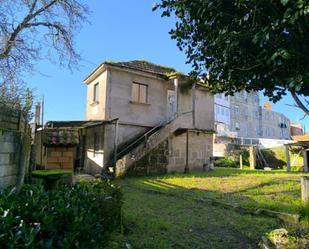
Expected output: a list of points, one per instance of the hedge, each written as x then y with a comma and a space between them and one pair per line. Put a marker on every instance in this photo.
81, 216
226, 163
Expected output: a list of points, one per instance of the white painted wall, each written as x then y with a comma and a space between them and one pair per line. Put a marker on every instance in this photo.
222, 109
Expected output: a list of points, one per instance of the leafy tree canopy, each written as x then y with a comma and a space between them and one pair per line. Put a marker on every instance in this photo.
234, 45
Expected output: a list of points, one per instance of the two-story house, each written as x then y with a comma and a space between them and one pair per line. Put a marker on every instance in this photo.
146, 119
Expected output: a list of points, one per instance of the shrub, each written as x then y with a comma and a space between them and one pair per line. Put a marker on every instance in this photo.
304, 213
226, 162
234, 151
81, 216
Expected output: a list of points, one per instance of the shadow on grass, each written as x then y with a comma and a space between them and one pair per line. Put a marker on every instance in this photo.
175, 219
226, 172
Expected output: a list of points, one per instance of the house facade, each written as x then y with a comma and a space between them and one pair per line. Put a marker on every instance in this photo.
153, 120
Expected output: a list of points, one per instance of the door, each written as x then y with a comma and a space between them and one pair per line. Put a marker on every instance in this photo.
171, 104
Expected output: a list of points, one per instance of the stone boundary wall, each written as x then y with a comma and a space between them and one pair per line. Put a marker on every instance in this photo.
15, 145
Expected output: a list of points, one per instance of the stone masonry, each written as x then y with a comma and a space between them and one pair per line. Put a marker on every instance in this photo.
14, 149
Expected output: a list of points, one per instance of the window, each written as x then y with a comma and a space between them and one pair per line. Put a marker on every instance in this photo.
217, 109
236, 108
237, 126
139, 93
222, 111
96, 92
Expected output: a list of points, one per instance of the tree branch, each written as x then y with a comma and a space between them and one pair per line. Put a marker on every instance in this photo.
12, 37
299, 103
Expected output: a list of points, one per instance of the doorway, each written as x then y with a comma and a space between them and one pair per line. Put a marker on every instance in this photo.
171, 104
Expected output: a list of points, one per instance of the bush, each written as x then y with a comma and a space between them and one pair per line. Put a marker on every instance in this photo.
82, 216
234, 151
304, 213
226, 162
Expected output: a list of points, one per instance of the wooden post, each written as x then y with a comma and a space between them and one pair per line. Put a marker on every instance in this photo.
288, 161
305, 161
252, 157
304, 181
240, 162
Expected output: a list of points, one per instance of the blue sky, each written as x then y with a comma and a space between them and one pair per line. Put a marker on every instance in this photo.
120, 30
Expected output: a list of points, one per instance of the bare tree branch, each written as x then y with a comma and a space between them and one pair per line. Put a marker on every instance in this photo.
31, 30
299, 102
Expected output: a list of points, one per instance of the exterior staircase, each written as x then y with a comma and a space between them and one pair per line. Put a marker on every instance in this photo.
148, 141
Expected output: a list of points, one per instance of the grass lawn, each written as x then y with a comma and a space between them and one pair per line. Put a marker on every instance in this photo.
175, 220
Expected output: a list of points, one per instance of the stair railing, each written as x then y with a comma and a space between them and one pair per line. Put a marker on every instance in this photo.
146, 135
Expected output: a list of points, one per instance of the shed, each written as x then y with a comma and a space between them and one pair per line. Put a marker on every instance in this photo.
60, 144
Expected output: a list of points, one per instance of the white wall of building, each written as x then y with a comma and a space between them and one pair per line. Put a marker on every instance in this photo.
222, 109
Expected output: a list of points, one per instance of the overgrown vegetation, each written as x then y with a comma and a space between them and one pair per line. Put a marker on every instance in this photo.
82, 216
276, 158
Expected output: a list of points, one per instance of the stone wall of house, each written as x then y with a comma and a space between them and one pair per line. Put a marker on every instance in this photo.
14, 148
153, 163
200, 150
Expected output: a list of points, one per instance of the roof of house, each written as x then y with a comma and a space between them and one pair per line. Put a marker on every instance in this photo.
137, 65
144, 66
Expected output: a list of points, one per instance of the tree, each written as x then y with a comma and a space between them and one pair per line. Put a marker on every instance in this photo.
31, 30
234, 45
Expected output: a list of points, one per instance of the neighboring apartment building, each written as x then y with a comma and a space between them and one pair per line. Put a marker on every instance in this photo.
152, 122
245, 119
249, 122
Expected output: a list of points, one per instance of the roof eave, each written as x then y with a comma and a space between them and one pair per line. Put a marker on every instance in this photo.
95, 73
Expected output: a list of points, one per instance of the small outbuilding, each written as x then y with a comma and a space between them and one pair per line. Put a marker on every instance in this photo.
302, 142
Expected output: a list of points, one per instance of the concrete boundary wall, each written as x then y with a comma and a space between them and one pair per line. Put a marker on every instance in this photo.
14, 147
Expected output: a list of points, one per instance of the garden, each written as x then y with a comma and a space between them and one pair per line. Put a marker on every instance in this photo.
223, 208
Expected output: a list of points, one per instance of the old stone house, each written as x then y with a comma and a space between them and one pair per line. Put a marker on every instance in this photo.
146, 119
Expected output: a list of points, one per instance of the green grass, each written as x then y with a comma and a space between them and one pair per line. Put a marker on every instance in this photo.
175, 220
51, 173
